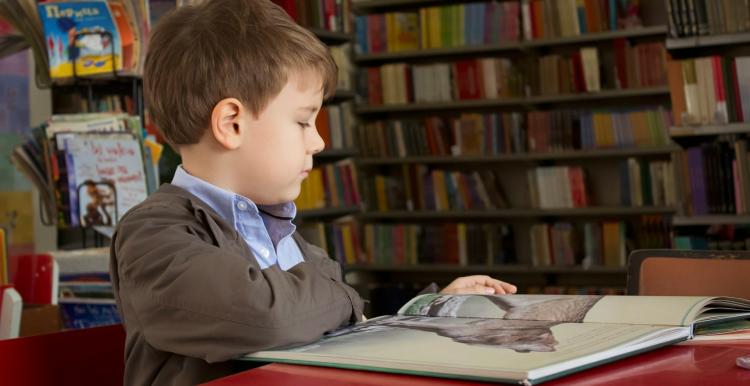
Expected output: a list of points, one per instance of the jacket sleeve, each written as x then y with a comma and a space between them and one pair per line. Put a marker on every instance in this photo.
197, 299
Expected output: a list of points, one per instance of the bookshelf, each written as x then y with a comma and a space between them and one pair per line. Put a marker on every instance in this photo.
528, 157
342, 94
329, 196
330, 154
706, 130
521, 46
331, 37
709, 220
327, 213
708, 41
524, 102
712, 172
515, 213
603, 164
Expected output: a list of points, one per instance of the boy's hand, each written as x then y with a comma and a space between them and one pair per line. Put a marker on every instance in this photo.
478, 284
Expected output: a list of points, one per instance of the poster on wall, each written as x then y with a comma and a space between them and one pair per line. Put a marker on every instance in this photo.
16, 209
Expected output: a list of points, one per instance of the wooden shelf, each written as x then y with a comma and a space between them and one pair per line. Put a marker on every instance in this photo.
452, 105
437, 52
526, 157
510, 46
342, 94
307, 214
337, 153
599, 36
97, 79
708, 41
507, 269
701, 130
371, 5
715, 219
605, 94
331, 37
511, 102
515, 213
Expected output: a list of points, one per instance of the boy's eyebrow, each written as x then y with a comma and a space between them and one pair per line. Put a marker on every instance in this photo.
311, 109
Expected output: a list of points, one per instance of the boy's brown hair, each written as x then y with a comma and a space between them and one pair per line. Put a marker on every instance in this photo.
244, 49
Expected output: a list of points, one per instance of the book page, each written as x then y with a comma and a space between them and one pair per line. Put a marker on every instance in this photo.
661, 310
664, 310
495, 348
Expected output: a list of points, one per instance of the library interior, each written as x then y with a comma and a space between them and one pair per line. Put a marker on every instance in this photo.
584, 151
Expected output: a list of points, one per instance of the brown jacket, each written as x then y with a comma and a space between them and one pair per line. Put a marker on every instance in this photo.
192, 296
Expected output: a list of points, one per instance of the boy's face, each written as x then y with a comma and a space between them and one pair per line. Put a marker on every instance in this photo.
277, 149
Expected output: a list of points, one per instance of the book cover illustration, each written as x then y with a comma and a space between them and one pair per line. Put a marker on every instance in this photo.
97, 203
105, 176
83, 33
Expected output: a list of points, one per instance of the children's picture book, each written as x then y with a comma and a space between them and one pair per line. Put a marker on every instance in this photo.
524, 339
80, 32
105, 176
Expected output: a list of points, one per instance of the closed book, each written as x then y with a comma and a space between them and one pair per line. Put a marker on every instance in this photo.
698, 181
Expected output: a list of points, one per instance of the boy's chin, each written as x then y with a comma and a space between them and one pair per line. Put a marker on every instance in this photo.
288, 196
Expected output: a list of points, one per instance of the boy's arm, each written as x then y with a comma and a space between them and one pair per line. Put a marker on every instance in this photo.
193, 298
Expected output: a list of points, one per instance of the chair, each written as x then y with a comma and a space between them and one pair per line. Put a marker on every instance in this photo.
689, 273
92, 356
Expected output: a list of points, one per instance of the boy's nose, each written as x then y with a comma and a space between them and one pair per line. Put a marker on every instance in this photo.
315, 143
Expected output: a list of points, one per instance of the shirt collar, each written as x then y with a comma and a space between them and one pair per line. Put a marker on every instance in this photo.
222, 200
218, 199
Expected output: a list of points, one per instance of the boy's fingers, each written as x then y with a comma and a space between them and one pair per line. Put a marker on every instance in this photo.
506, 287
500, 287
476, 289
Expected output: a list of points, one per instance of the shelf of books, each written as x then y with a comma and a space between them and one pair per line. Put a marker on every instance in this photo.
711, 220
525, 157
337, 153
330, 21
708, 81
708, 41
327, 212
517, 102
484, 48
512, 137
709, 130
515, 213
330, 195
706, 23
344, 94
331, 37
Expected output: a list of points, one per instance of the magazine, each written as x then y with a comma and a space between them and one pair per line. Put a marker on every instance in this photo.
524, 339
81, 33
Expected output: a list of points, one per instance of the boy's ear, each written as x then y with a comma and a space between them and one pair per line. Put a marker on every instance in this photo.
227, 119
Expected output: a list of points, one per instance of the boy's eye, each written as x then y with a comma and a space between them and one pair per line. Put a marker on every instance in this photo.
303, 125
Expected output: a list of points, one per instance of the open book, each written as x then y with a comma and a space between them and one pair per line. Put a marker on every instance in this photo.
526, 339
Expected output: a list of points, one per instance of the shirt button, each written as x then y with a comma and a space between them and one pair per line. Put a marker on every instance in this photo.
242, 205
264, 252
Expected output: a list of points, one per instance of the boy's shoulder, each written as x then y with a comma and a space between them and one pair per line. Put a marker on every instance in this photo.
168, 202
171, 212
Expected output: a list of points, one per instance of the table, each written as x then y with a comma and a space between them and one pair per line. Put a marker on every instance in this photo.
693, 363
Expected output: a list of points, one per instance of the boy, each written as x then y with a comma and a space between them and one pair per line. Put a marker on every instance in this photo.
209, 267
